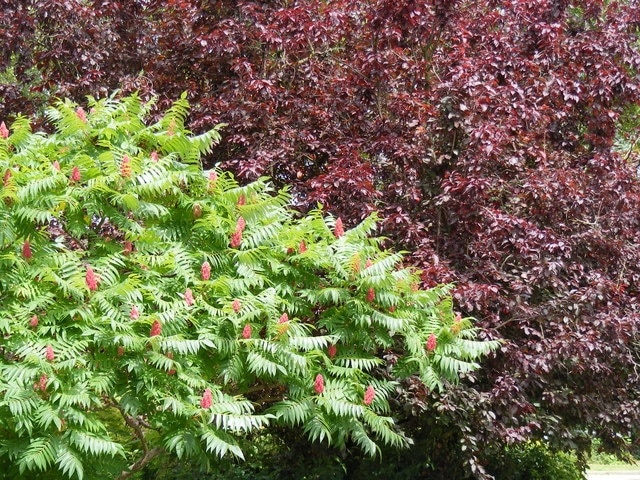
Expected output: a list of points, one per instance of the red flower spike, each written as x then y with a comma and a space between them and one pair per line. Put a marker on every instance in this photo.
236, 239
75, 174
197, 210
240, 226
49, 354
207, 399
169, 355
339, 228
369, 395
284, 318
392, 308
154, 157
290, 251
246, 331
302, 247
318, 385
125, 166
332, 350
34, 321
242, 201
368, 264
42, 383
156, 329
371, 295
236, 305
205, 271
134, 314
127, 247
213, 178
26, 250
4, 131
81, 114
91, 279
7, 178
188, 297
56, 166
432, 343
120, 351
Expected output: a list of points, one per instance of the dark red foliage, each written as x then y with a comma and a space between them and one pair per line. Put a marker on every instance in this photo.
482, 132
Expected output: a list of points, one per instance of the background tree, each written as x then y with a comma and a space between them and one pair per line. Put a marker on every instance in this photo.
495, 138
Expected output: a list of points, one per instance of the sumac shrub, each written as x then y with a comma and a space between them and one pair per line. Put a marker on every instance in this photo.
141, 292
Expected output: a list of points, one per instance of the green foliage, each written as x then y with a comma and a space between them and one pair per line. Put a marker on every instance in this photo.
535, 461
136, 286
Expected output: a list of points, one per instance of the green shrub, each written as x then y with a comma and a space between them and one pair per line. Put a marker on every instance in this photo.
135, 286
534, 461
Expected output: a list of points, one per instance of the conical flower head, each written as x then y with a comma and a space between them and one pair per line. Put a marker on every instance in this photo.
56, 165
34, 321
156, 329
246, 331
284, 318
236, 239
432, 343
26, 250
207, 399
242, 200
125, 166
371, 295
197, 210
127, 247
339, 228
205, 271
49, 354
236, 305
91, 279
4, 131
318, 385
332, 350
368, 263
82, 115
154, 156
134, 314
188, 297
369, 395
213, 178
302, 247
75, 174
241, 224
42, 383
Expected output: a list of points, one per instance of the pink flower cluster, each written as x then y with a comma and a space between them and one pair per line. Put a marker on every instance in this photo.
156, 329
91, 279
49, 354
205, 271
207, 399
369, 395
246, 331
236, 237
318, 385
432, 343
26, 250
188, 297
339, 228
